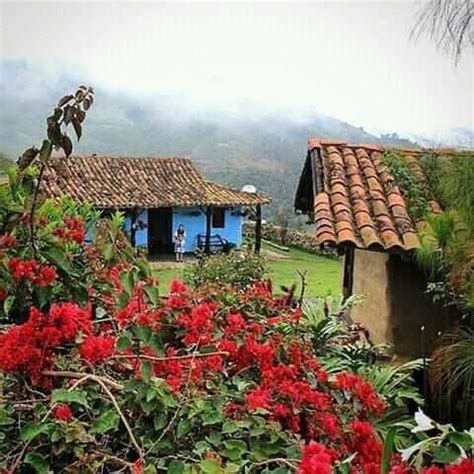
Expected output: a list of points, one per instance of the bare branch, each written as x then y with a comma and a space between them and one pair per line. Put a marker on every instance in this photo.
448, 23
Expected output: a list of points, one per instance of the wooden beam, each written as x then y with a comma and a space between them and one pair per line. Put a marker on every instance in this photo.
207, 246
133, 228
258, 229
348, 281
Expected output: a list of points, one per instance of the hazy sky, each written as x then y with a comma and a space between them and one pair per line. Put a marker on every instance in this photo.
352, 60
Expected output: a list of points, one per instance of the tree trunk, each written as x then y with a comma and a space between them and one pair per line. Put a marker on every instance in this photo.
258, 229
207, 247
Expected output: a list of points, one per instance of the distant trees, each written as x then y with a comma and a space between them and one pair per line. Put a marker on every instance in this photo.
5, 162
448, 23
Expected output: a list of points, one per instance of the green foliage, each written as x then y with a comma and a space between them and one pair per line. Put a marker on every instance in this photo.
452, 371
343, 346
443, 445
455, 185
415, 192
239, 268
447, 244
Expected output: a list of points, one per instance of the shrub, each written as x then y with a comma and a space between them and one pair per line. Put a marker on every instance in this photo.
239, 268
102, 375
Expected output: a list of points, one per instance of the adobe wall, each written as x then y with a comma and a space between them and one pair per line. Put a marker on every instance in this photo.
371, 282
396, 306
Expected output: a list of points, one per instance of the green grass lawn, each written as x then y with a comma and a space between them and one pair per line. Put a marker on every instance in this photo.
323, 275
166, 275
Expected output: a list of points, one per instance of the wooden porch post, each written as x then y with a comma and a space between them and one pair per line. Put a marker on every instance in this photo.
258, 229
207, 247
133, 229
348, 279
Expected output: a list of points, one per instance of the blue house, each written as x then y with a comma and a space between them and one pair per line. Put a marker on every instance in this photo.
156, 195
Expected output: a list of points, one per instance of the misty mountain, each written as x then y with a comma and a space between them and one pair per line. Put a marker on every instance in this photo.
247, 146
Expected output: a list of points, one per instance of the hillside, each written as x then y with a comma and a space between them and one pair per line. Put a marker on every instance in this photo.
247, 146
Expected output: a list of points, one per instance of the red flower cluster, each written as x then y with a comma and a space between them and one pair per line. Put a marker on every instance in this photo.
137, 311
466, 466
63, 413
362, 390
7, 241
367, 446
198, 324
97, 349
73, 231
317, 459
39, 275
29, 348
177, 286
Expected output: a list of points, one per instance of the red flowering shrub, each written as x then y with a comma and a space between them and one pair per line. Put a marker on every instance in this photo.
73, 230
40, 275
30, 347
97, 349
62, 413
218, 377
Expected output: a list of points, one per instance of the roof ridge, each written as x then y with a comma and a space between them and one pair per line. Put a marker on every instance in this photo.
319, 142
126, 157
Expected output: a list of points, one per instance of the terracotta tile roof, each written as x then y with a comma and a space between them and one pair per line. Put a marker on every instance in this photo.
123, 182
356, 199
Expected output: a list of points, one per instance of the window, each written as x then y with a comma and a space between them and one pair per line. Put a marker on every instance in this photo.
218, 218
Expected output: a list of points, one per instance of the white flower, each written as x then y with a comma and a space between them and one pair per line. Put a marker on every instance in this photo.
423, 422
408, 452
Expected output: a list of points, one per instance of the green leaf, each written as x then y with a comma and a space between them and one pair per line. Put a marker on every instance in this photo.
160, 420
126, 278
388, 451
124, 342
230, 427
235, 448
156, 343
108, 251
445, 454
123, 300
66, 145
151, 394
57, 257
233, 468
46, 150
5, 418
153, 294
61, 395
463, 440
43, 293
32, 430
201, 447
183, 428
8, 304
210, 466
212, 417
147, 369
143, 333
107, 421
176, 467
37, 462
27, 158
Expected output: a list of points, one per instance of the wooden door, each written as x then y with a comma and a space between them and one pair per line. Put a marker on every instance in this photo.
160, 227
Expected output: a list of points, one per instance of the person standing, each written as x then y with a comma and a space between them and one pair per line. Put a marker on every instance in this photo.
179, 241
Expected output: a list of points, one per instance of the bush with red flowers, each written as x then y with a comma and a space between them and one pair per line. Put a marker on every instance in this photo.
98, 373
